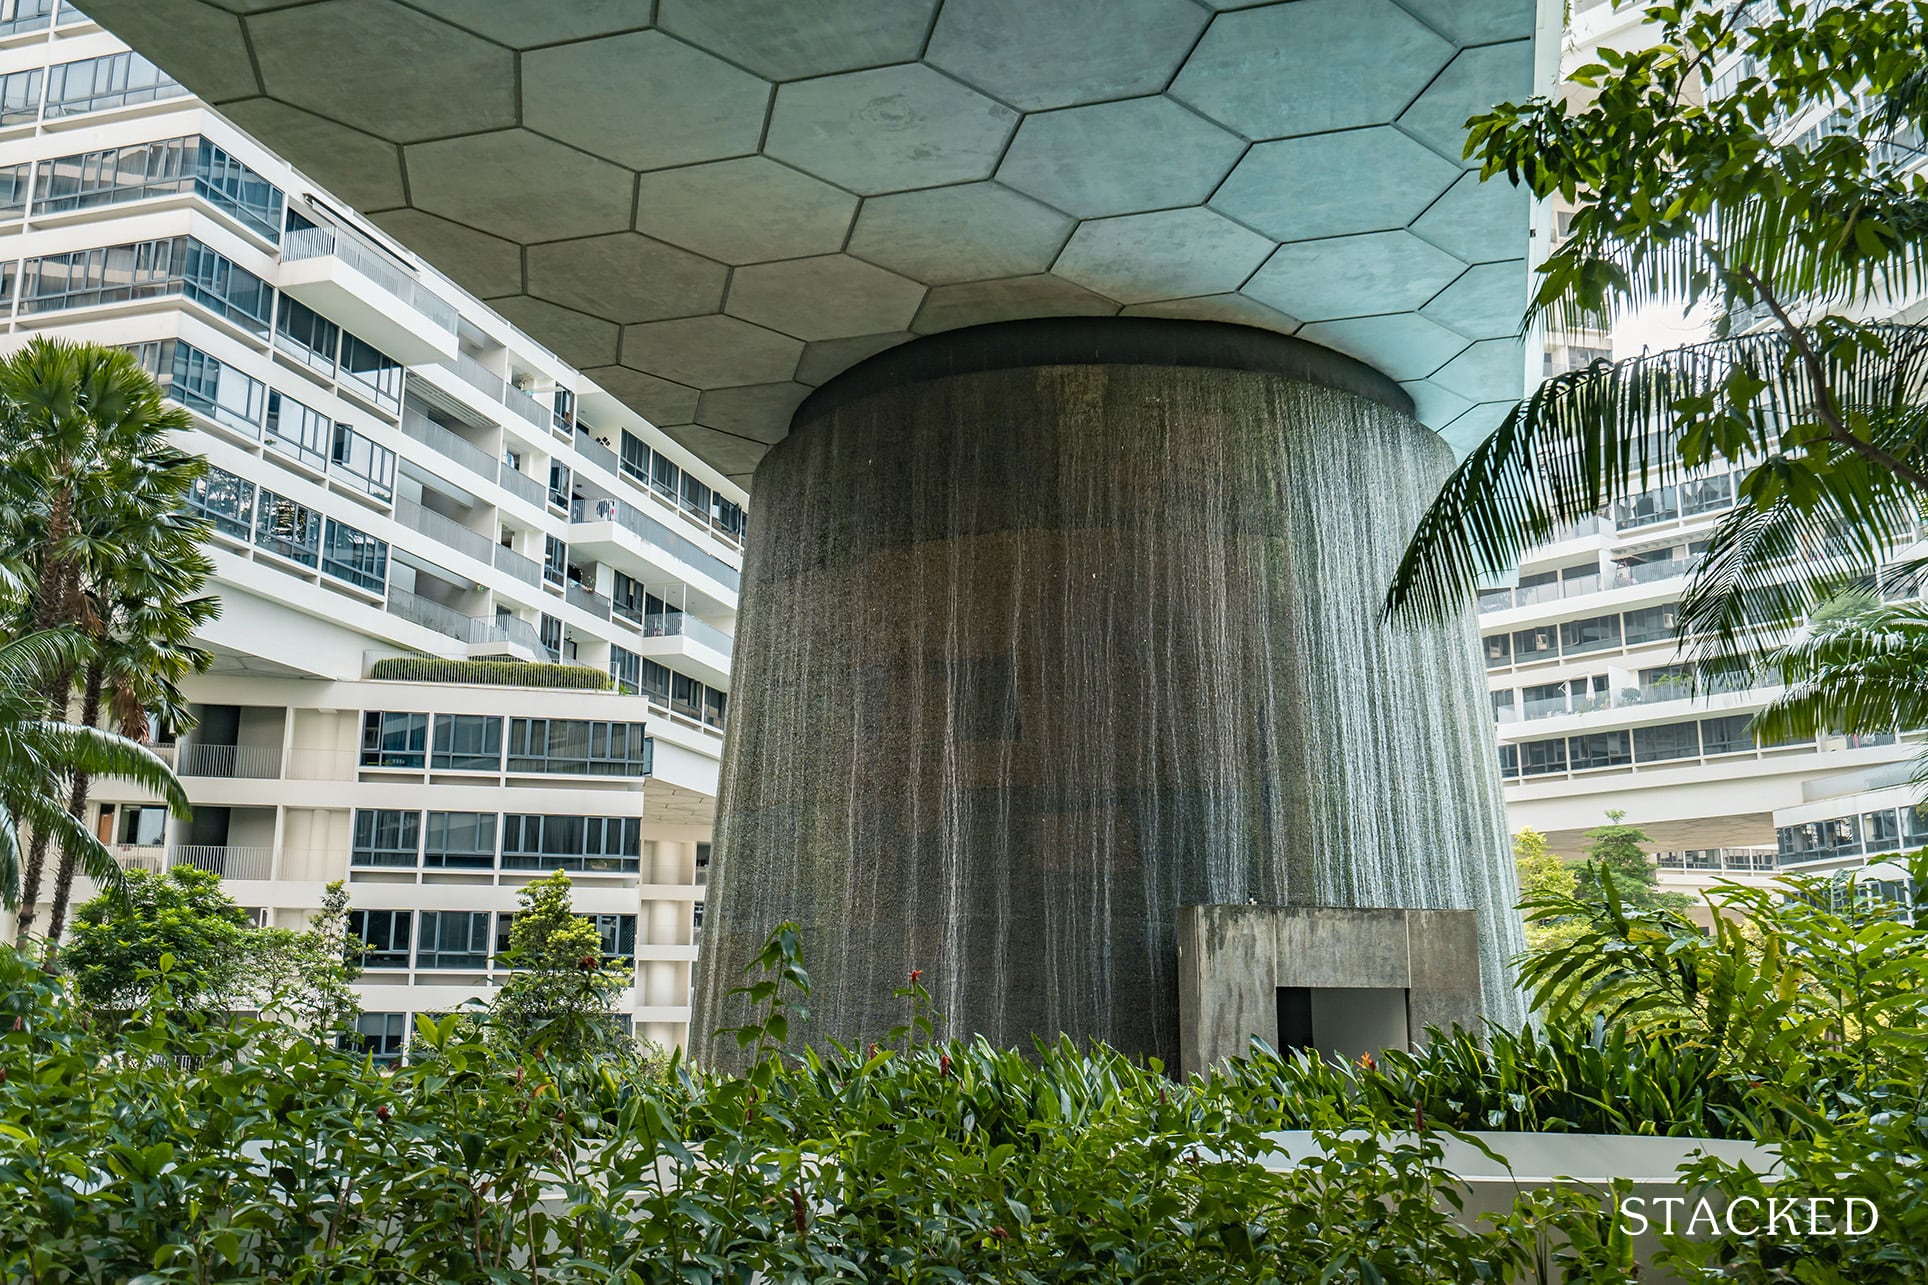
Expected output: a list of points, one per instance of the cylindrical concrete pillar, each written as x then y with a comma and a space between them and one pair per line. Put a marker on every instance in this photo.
1050, 628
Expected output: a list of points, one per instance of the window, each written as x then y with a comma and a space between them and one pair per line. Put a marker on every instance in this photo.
225, 500
1730, 735
113, 274
1914, 825
607, 845
1499, 650
393, 740
627, 598
555, 560
384, 934
361, 461
1601, 749
696, 496
729, 517
618, 933
453, 939
382, 1036
635, 458
685, 695
625, 667
1651, 624
1510, 762
371, 371
665, 478
287, 528
1538, 643
307, 336
299, 430
1707, 494
1659, 505
216, 390
219, 286
142, 826
116, 80
1593, 634
1880, 832
655, 680
1503, 707
1668, 741
14, 182
468, 742
559, 481
713, 706
355, 556
460, 840
240, 191
578, 747
562, 411
18, 16
89, 180
19, 96
1542, 758
386, 838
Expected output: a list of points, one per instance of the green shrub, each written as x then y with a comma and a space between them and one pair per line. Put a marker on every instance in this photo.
499, 673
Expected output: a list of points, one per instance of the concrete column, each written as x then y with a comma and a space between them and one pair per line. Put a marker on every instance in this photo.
1050, 628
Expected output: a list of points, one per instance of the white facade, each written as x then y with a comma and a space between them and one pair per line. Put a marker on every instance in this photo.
399, 471
1595, 710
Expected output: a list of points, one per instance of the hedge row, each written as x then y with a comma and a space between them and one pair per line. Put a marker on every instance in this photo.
497, 673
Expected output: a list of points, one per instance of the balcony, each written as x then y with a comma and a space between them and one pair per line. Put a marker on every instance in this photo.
140, 856
499, 391
666, 554
522, 486
588, 600
228, 862
697, 647
481, 636
449, 445
350, 281
233, 762
446, 531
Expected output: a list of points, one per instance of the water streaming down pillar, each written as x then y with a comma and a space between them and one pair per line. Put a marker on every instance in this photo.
1050, 628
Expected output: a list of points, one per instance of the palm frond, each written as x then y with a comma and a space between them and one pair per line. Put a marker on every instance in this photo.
103, 753
50, 816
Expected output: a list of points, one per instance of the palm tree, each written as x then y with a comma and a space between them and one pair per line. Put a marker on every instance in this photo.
91, 500
1685, 203
37, 752
1861, 666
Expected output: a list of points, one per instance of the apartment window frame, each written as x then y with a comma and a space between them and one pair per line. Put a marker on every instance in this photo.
381, 1036
443, 847
226, 500
1666, 743
20, 96
362, 460
374, 373
307, 336
456, 747
386, 838
355, 557
109, 81
386, 937
453, 940
217, 390
394, 739
287, 528
583, 844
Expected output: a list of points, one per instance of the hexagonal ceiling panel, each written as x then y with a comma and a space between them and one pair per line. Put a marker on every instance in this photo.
714, 205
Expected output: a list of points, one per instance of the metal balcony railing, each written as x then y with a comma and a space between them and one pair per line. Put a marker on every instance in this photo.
479, 376
228, 862
312, 243
248, 762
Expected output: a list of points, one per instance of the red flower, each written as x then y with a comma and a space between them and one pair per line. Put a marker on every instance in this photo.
1365, 1062
588, 963
1000, 1233
944, 1064
915, 974
381, 1113
797, 1214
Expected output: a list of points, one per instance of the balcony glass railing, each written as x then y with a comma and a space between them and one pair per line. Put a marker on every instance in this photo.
445, 530
447, 443
588, 600
522, 486
680, 623
525, 569
371, 262
634, 520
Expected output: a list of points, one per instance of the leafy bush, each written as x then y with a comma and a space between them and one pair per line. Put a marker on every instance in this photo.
498, 673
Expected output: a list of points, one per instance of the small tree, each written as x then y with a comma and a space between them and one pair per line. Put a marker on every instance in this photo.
558, 999
1620, 851
304, 978
1543, 873
117, 945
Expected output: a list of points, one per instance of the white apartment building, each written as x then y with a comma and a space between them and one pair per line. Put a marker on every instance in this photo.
395, 470
1595, 710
